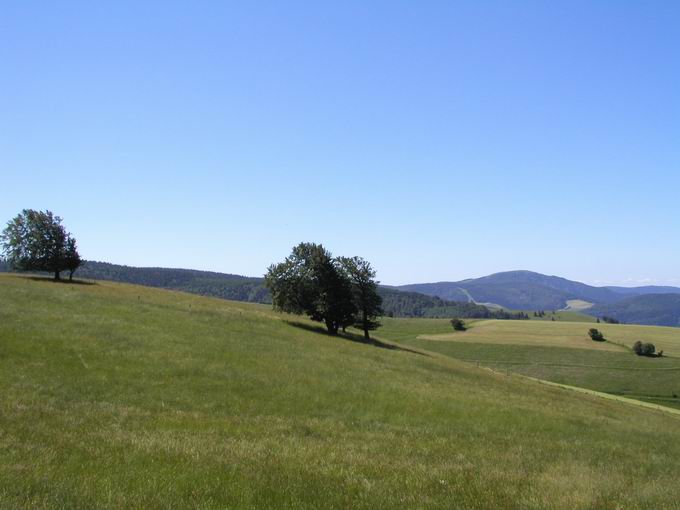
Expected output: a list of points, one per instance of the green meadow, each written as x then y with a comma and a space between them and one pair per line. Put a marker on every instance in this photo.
563, 353
116, 396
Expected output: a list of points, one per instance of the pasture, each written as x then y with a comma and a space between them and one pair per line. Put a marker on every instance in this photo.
116, 396
563, 353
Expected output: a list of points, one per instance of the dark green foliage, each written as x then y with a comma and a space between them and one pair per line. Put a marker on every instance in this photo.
644, 349
411, 304
364, 292
311, 282
458, 325
648, 349
37, 241
609, 320
596, 334
72, 260
205, 283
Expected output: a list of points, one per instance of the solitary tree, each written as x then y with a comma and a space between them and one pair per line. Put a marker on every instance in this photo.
37, 241
311, 282
364, 293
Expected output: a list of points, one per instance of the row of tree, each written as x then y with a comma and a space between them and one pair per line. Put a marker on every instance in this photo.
37, 241
338, 291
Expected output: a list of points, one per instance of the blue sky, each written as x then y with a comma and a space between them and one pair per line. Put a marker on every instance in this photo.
440, 140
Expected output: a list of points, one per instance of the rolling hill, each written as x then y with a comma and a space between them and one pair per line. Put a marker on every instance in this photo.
653, 309
519, 290
250, 289
648, 289
514, 290
117, 395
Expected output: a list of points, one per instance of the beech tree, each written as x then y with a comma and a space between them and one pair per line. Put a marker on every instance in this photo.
364, 293
37, 241
311, 282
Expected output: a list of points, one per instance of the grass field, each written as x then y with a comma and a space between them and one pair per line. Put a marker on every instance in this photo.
563, 353
122, 396
554, 334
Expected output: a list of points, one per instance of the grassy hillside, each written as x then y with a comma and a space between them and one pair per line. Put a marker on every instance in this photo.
249, 289
122, 396
563, 353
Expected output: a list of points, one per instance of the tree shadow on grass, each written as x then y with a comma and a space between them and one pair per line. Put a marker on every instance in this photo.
63, 280
352, 337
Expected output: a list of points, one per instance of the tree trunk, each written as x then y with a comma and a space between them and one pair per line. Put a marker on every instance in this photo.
332, 327
364, 322
70, 276
57, 276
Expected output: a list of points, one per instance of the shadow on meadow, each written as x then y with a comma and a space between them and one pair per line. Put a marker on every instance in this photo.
352, 337
62, 281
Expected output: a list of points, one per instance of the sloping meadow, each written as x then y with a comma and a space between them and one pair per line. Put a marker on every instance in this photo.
121, 396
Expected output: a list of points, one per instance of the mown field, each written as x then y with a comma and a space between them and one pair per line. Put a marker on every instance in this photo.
121, 396
563, 353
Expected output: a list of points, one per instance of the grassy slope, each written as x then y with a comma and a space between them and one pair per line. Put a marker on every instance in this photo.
563, 353
115, 395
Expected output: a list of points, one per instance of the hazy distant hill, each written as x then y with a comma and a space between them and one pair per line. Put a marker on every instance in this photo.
649, 289
652, 309
521, 290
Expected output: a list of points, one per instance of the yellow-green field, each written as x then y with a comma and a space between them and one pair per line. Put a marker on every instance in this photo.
117, 396
562, 334
560, 352
549, 334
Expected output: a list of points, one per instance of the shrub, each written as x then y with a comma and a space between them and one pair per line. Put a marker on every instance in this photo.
648, 349
458, 324
644, 349
596, 335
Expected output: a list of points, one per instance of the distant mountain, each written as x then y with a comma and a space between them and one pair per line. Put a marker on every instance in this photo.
641, 291
651, 309
520, 290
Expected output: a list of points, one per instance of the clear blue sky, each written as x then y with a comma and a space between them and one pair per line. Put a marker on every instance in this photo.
440, 140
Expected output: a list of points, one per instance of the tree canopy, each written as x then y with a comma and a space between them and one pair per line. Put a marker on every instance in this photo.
37, 241
364, 292
339, 292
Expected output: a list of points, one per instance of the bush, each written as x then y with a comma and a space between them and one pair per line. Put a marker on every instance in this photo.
458, 324
644, 349
596, 335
